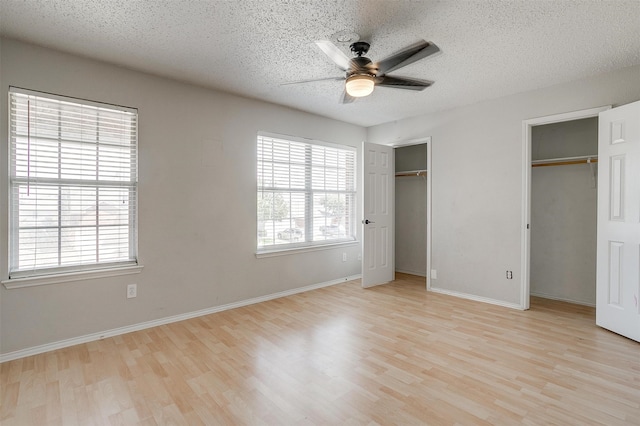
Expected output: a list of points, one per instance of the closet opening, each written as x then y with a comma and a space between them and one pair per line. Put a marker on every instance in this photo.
564, 200
559, 206
412, 207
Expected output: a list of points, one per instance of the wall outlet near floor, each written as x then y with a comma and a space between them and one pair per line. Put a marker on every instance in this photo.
132, 290
509, 275
434, 274
344, 257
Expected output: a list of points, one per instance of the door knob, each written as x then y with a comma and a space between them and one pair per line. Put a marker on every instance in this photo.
367, 221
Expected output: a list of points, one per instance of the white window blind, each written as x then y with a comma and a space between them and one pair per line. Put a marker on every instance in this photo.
73, 184
306, 193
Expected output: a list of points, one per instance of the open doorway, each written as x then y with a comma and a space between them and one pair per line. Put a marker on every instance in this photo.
559, 207
564, 201
412, 210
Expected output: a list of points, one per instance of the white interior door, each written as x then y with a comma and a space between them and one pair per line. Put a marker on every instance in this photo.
618, 258
378, 208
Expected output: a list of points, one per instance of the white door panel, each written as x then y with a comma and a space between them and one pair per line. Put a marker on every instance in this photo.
618, 257
378, 234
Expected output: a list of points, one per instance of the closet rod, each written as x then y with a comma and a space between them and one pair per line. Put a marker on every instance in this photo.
412, 173
587, 159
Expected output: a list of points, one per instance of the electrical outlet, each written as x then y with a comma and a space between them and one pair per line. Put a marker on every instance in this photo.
434, 274
359, 256
132, 290
344, 257
509, 275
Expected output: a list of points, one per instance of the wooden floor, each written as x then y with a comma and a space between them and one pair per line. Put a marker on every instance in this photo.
393, 354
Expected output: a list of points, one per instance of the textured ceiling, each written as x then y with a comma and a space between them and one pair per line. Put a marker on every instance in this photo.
250, 47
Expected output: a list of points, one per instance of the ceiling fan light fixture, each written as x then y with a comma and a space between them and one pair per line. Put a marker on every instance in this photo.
359, 85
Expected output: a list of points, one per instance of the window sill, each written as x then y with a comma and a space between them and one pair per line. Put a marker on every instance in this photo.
70, 276
296, 250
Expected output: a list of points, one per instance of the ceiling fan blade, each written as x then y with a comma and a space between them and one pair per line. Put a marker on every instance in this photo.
403, 83
313, 80
335, 54
406, 56
347, 98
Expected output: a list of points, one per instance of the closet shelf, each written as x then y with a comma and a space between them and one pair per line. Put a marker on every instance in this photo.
411, 173
585, 159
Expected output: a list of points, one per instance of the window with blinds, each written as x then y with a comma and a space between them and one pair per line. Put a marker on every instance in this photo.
73, 184
306, 193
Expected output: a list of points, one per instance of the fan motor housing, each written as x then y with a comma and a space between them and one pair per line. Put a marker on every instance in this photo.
360, 48
361, 65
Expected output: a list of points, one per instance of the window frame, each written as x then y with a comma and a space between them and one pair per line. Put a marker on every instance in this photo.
303, 246
39, 275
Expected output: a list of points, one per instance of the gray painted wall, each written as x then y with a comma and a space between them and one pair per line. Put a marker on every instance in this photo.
476, 178
563, 233
412, 157
197, 202
411, 225
567, 139
411, 211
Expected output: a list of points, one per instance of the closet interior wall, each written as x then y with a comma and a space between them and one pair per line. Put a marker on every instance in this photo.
411, 209
563, 212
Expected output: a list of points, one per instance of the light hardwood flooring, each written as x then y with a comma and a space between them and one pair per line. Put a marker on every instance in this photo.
393, 354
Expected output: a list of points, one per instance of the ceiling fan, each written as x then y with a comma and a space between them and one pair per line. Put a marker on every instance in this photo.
362, 75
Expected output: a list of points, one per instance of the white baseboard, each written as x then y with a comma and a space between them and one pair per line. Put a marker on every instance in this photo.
35, 350
562, 299
406, 271
476, 298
